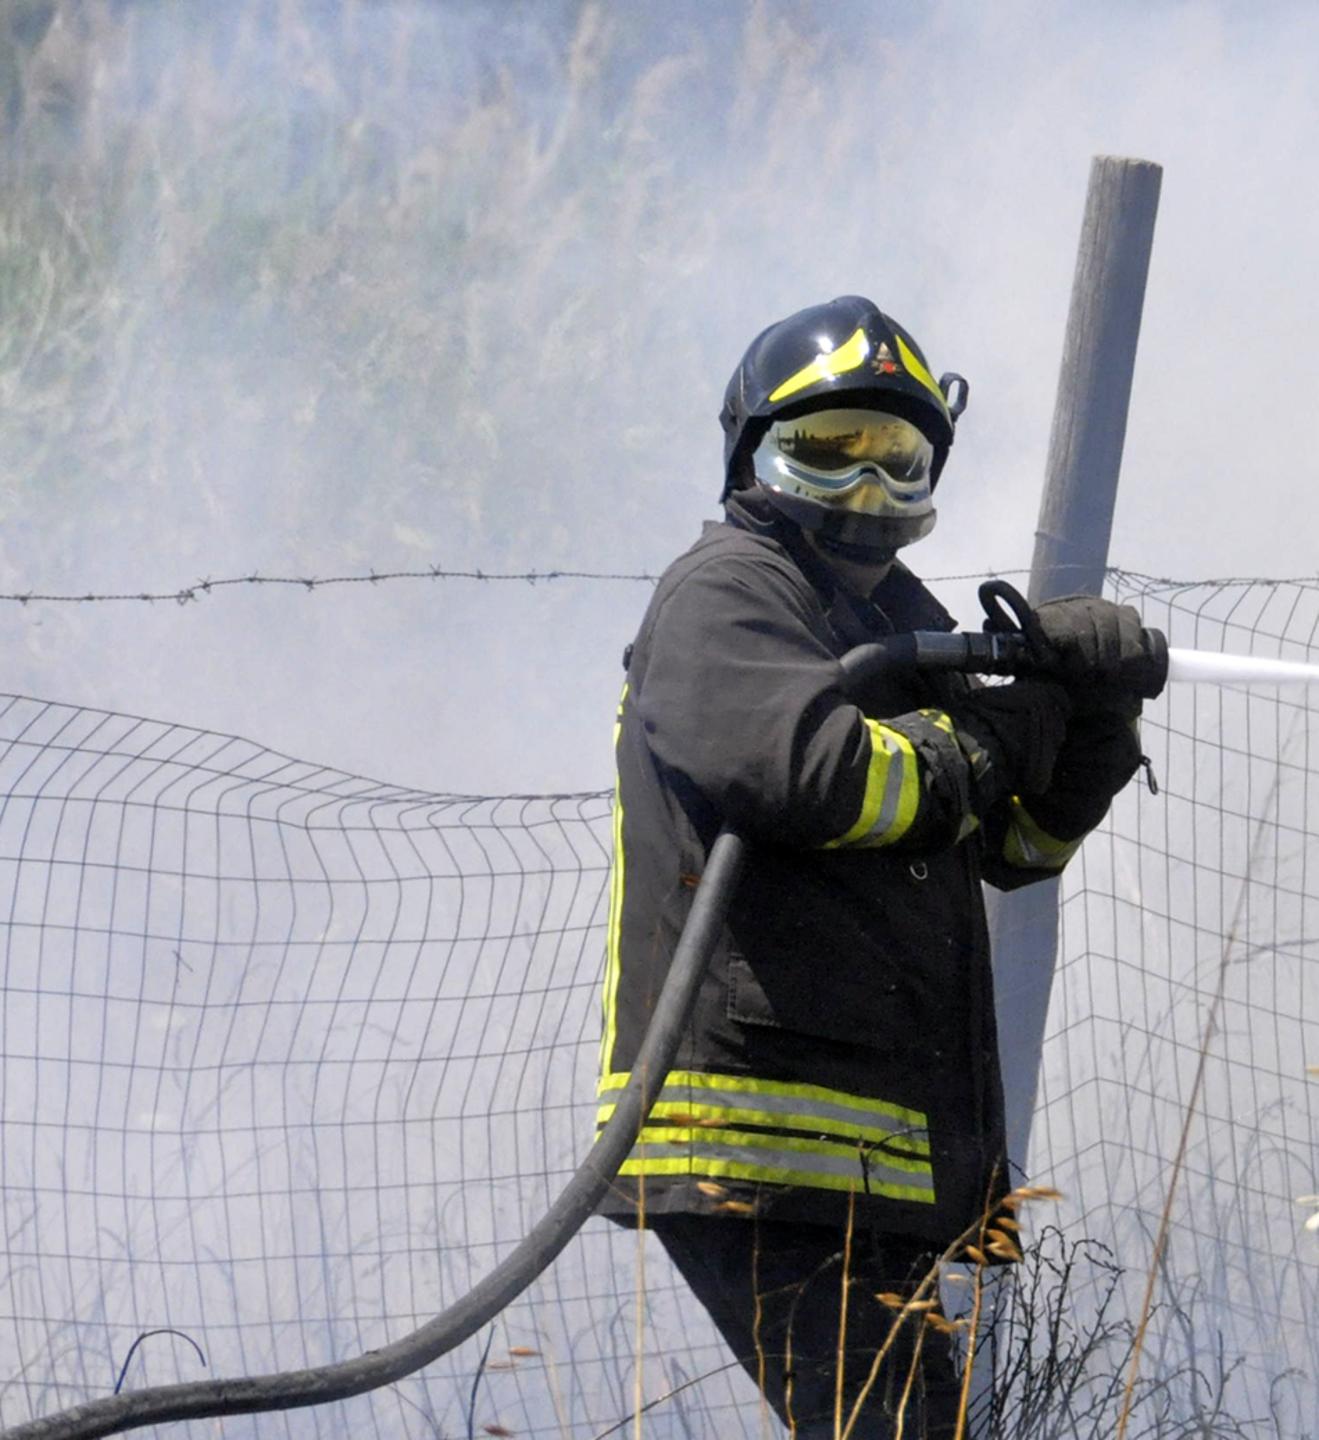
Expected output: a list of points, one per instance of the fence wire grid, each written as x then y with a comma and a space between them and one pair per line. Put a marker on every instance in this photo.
292, 1057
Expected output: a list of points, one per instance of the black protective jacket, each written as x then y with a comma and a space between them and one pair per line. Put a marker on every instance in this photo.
844, 1039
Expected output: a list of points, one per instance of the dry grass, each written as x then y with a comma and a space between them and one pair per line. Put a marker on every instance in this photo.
297, 287
1059, 1350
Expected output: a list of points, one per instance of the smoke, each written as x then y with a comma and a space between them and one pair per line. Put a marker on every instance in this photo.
303, 287
309, 287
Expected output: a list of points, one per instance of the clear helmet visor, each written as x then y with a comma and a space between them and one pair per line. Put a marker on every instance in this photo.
859, 475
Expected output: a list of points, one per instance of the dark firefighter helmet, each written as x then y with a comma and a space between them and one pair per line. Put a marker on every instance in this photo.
796, 424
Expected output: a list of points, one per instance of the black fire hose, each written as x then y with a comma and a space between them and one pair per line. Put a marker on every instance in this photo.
1000, 653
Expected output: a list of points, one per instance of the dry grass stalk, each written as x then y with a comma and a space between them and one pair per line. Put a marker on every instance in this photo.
757, 1318
968, 1365
912, 1307
552, 1370
900, 1420
684, 1118
788, 1383
735, 1207
640, 1312
1002, 1245
842, 1315
916, 1303
663, 1396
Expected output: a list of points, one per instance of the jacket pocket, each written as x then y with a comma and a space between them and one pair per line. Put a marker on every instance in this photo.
854, 1010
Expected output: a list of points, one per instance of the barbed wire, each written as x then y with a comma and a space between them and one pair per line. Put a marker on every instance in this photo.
199, 589
1155, 584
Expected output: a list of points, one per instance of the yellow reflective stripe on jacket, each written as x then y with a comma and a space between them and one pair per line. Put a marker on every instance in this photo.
893, 790
780, 1160
609, 995
857, 1120
848, 1141
693, 1082
1031, 848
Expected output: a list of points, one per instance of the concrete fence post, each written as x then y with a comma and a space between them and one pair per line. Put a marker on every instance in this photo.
1071, 553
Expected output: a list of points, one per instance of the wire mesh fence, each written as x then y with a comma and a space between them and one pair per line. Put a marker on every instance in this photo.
1197, 910
291, 1057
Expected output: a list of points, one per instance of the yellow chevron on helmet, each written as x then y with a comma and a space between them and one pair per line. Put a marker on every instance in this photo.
915, 367
826, 366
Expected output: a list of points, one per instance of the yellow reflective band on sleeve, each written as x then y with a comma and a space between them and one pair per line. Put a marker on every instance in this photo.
850, 356
1029, 847
941, 720
893, 791
912, 364
780, 1160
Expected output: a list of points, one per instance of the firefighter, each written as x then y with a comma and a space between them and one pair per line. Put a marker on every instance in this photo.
837, 1093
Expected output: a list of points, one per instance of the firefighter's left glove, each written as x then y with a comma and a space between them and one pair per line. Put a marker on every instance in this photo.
1010, 735
1100, 651
1100, 753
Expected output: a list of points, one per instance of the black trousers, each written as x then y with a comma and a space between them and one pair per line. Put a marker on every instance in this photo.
774, 1289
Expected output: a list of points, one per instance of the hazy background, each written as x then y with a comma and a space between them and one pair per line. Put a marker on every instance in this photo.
320, 287
317, 286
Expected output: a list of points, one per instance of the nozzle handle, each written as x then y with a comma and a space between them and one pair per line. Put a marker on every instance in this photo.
997, 652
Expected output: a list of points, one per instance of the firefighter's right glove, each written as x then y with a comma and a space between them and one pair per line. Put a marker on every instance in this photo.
1011, 735
1100, 651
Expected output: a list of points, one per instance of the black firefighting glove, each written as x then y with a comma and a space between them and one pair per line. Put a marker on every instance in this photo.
1011, 736
1099, 754
1099, 650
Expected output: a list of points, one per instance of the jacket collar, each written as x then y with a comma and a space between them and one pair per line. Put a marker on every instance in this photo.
900, 602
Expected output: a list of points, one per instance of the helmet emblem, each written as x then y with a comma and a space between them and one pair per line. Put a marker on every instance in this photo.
882, 362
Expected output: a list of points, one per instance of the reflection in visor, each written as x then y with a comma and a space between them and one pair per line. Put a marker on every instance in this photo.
834, 447
859, 477
863, 462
